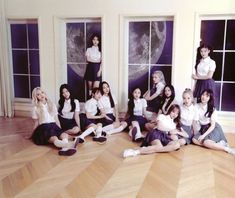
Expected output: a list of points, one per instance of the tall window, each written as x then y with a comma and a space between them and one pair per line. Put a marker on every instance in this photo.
220, 35
150, 49
78, 39
25, 57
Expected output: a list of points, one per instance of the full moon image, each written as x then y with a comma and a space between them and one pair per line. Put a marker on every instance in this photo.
142, 38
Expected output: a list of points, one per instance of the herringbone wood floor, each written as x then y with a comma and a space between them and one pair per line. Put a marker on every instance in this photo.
27, 170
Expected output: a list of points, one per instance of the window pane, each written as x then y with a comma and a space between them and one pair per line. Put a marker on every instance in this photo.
18, 36
75, 80
166, 70
21, 86
20, 61
139, 42
217, 95
163, 42
92, 28
228, 97
76, 43
35, 82
34, 62
33, 36
217, 57
229, 66
138, 77
212, 33
230, 38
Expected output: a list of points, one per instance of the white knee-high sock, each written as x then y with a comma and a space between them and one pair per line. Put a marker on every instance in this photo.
138, 134
108, 128
116, 130
87, 132
98, 131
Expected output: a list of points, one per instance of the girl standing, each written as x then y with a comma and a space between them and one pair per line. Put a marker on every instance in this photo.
68, 111
136, 115
153, 96
91, 120
168, 98
46, 127
93, 69
210, 134
204, 70
108, 106
159, 139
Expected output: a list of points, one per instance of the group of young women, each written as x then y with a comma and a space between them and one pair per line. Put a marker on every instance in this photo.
174, 125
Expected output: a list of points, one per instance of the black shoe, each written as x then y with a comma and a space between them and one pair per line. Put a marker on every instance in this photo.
133, 133
100, 140
140, 139
67, 151
104, 134
78, 141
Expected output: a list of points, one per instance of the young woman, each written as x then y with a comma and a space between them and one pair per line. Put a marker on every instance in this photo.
136, 115
204, 70
108, 106
168, 98
91, 121
154, 95
159, 139
47, 129
188, 116
68, 111
93, 70
210, 134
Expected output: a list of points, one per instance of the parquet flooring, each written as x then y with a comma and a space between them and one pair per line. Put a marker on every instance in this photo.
27, 170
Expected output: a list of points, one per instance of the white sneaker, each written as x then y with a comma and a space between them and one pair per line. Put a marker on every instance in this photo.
130, 153
231, 151
223, 143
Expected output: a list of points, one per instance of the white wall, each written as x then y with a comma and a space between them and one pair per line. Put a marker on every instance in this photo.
185, 14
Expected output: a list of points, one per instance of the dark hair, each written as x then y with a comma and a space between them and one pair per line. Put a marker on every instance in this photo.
95, 90
177, 119
131, 103
210, 104
199, 57
172, 97
90, 42
62, 99
109, 94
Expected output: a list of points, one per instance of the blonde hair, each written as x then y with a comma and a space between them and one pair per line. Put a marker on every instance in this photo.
161, 76
38, 104
190, 92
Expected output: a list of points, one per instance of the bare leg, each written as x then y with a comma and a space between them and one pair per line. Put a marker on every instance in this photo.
96, 84
73, 131
195, 141
213, 145
89, 83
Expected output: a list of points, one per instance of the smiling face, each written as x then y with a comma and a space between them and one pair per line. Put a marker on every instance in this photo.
66, 93
174, 113
204, 52
41, 96
136, 93
205, 97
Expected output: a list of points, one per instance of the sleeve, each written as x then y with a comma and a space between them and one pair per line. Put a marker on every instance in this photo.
88, 106
87, 52
160, 87
160, 117
34, 113
212, 66
77, 108
144, 103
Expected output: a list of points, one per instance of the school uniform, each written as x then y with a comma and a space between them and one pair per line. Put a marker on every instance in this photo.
67, 120
139, 105
168, 124
203, 68
217, 133
47, 126
188, 115
94, 66
104, 104
155, 104
164, 109
91, 106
